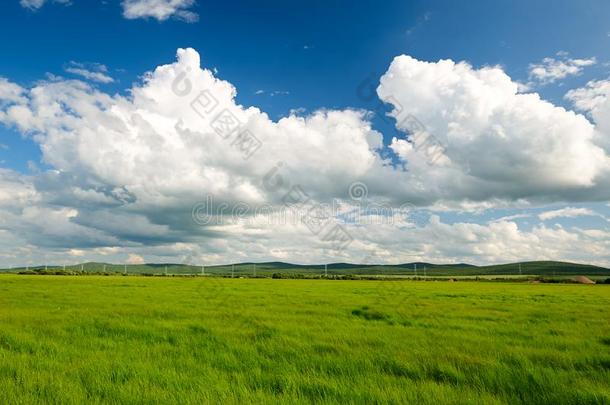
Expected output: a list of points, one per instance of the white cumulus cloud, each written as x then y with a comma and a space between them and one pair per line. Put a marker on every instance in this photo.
484, 138
126, 171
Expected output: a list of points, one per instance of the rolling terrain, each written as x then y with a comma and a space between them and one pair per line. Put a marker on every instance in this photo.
268, 269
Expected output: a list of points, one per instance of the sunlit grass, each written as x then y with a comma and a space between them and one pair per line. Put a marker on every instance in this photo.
193, 340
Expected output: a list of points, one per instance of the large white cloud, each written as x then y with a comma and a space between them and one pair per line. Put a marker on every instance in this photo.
141, 162
160, 148
495, 141
126, 171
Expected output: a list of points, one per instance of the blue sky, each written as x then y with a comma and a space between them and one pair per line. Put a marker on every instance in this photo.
286, 56
318, 51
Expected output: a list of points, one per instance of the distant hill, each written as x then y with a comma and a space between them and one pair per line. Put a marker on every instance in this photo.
536, 268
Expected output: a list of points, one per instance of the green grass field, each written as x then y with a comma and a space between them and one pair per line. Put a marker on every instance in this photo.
212, 340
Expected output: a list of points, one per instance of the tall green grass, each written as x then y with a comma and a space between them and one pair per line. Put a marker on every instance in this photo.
213, 340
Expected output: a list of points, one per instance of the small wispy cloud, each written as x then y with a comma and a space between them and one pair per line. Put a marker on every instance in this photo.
272, 93
568, 212
298, 111
37, 4
550, 70
32, 4
160, 10
423, 19
509, 218
90, 71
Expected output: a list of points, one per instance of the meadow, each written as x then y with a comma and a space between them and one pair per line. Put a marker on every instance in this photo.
133, 339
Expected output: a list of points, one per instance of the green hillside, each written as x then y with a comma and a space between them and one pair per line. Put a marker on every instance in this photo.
537, 268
